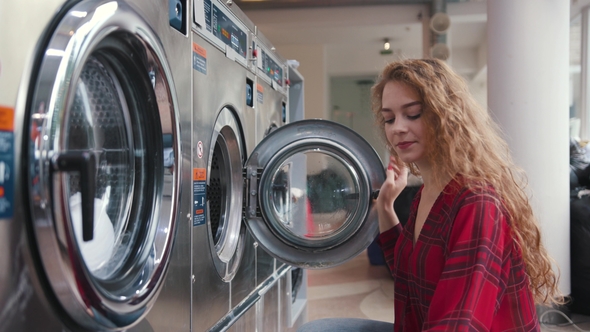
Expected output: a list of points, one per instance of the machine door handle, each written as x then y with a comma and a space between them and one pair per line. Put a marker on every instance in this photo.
83, 162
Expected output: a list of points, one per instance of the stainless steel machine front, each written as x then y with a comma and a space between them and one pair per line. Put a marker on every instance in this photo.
93, 164
152, 177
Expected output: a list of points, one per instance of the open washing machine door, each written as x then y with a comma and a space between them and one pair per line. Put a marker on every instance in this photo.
102, 165
309, 188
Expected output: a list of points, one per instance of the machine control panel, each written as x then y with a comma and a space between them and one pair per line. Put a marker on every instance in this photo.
225, 29
271, 68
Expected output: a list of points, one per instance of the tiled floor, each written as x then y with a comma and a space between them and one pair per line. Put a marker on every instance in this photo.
354, 289
361, 290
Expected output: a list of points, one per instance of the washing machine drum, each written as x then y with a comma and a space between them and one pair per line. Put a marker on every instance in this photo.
103, 194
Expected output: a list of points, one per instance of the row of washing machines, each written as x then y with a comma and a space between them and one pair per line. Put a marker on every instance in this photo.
153, 176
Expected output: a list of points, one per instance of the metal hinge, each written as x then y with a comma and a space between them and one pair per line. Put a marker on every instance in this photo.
252, 176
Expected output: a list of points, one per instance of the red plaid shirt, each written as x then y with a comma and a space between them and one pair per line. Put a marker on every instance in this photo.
465, 272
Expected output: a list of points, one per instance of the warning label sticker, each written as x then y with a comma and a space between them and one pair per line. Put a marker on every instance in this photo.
199, 58
6, 162
260, 93
199, 196
6, 119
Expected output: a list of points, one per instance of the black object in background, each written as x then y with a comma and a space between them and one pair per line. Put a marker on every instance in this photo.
402, 206
580, 254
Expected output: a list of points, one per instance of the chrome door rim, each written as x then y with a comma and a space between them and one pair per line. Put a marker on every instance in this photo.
75, 39
336, 151
306, 135
225, 251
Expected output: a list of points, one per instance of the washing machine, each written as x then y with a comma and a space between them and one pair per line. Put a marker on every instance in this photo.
271, 96
310, 188
233, 109
91, 165
224, 133
268, 195
149, 180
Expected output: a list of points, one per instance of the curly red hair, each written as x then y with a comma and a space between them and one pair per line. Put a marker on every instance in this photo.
466, 141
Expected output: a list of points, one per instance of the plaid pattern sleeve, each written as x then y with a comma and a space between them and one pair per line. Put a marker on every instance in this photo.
465, 272
387, 241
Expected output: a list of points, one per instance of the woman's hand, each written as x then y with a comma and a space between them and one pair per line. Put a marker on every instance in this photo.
395, 181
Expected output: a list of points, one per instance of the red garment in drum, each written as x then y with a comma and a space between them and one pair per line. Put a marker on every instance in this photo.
465, 272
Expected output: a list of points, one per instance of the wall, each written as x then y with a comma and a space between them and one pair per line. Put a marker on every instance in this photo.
339, 41
313, 70
352, 101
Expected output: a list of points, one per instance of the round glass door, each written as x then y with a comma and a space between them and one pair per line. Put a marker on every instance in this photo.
314, 207
103, 165
314, 195
98, 123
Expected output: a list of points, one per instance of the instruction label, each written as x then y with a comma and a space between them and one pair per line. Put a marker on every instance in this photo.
199, 196
199, 58
260, 93
6, 162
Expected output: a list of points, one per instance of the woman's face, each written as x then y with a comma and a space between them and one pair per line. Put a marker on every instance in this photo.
404, 126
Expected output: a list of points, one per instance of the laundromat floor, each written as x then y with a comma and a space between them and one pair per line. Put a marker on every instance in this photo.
360, 290
354, 289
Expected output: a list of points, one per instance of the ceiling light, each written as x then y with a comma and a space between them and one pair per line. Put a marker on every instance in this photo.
386, 47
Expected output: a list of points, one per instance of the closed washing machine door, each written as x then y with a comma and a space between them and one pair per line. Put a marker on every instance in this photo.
310, 187
103, 165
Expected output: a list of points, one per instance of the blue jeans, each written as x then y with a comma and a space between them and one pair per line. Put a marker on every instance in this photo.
346, 325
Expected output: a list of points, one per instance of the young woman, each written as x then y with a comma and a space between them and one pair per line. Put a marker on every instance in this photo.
470, 257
